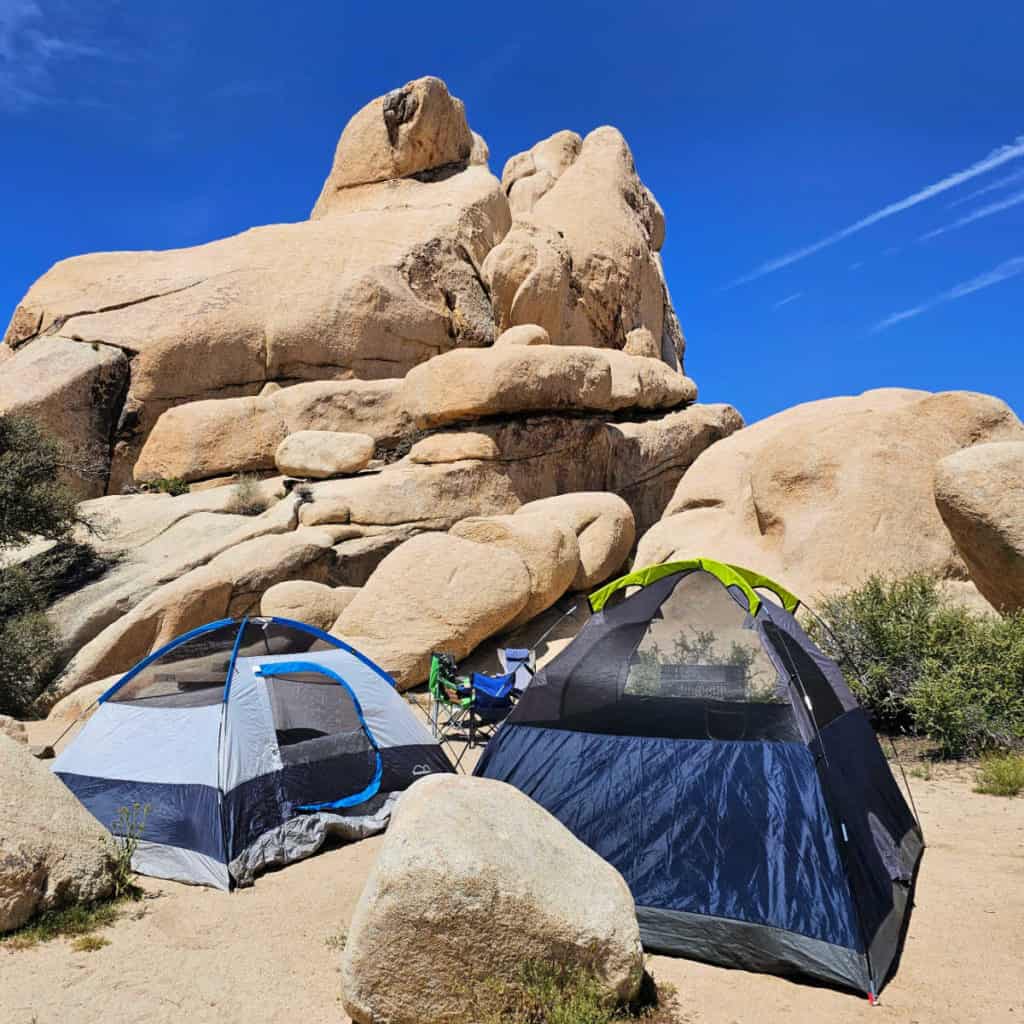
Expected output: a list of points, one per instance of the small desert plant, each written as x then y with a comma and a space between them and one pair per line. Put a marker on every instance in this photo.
1001, 775
546, 993
923, 664
246, 499
172, 485
79, 919
127, 829
337, 940
89, 943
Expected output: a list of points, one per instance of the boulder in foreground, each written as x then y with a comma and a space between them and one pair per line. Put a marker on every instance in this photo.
52, 851
475, 880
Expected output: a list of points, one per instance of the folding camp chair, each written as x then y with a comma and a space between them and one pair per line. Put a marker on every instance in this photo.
520, 662
467, 708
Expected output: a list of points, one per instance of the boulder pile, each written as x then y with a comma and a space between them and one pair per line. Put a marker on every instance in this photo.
824, 494
433, 351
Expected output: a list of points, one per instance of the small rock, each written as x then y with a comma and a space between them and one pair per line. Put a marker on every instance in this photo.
320, 454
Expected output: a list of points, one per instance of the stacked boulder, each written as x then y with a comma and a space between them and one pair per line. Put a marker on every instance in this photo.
433, 351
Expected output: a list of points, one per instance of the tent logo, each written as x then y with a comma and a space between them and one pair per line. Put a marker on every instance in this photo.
422, 769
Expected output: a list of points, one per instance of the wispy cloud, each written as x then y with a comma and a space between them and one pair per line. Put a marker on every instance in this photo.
970, 218
787, 300
995, 159
1008, 179
857, 265
29, 53
1006, 270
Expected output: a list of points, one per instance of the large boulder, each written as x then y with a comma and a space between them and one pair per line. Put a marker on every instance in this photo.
319, 454
53, 852
389, 279
582, 257
548, 548
417, 128
470, 865
604, 528
218, 437
979, 492
822, 495
436, 592
647, 459
74, 392
307, 601
509, 379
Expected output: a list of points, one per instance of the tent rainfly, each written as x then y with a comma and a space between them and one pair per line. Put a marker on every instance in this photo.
242, 745
695, 737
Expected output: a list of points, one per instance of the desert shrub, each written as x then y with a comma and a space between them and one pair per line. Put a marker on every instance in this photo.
172, 485
1001, 775
33, 502
923, 664
246, 499
549, 993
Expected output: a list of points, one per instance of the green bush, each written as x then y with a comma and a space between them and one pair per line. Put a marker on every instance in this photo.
33, 503
1001, 775
172, 485
923, 664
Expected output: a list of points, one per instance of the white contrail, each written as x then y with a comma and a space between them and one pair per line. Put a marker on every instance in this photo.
1009, 179
995, 159
1010, 268
787, 300
982, 211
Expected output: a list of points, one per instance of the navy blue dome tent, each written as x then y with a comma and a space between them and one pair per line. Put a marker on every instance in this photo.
248, 743
695, 737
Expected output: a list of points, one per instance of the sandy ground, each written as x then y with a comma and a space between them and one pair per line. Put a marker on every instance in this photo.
270, 953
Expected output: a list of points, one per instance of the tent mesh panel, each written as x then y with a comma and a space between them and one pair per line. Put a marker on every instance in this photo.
679, 659
317, 725
194, 673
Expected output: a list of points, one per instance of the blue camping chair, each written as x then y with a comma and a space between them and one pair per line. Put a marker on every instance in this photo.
467, 708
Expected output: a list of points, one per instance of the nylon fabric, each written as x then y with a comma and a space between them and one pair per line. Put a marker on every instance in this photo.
685, 842
183, 816
160, 745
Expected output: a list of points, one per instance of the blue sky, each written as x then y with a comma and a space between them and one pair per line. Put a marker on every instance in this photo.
763, 129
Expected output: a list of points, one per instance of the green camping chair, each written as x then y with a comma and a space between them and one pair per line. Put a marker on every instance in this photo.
466, 708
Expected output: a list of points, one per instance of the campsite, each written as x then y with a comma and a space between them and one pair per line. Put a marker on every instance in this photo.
537, 542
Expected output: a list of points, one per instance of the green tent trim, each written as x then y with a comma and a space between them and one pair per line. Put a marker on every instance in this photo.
730, 575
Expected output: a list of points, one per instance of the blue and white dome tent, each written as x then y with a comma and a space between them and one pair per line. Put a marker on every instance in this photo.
249, 742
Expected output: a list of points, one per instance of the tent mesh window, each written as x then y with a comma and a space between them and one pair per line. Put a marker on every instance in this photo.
190, 675
317, 724
681, 659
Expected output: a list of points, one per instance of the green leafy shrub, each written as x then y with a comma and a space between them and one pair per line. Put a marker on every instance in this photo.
33, 503
923, 664
172, 485
1001, 775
